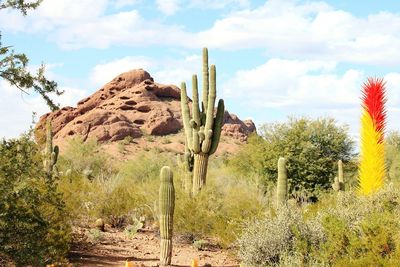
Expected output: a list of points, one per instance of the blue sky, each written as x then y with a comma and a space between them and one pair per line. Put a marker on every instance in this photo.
274, 58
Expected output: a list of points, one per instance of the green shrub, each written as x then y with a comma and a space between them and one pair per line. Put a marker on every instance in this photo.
34, 228
265, 241
116, 197
87, 156
340, 230
219, 210
392, 155
311, 147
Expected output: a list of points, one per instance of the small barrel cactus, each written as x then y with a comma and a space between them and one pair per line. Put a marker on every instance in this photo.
166, 208
282, 183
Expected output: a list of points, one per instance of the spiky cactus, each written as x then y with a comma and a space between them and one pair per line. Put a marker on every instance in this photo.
282, 183
186, 164
203, 130
50, 153
338, 185
166, 207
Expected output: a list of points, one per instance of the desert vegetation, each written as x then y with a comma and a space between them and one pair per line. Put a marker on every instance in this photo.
317, 226
296, 193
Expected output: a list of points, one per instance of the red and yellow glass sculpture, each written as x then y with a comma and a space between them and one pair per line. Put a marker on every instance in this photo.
373, 121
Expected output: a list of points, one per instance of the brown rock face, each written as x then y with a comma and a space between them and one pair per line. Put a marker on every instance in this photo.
130, 105
237, 128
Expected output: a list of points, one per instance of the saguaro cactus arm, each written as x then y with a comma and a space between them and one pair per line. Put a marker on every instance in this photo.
186, 115
205, 80
208, 128
219, 120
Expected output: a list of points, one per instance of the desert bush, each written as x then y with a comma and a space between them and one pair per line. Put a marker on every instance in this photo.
219, 210
392, 155
132, 192
341, 230
284, 234
34, 227
117, 197
311, 147
85, 157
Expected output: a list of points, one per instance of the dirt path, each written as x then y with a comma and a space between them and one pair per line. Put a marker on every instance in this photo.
113, 248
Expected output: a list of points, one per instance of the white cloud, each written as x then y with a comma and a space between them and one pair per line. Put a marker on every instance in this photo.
84, 23
212, 4
171, 7
287, 29
19, 107
311, 88
105, 72
168, 7
281, 82
164, 70
311, 30
125, 3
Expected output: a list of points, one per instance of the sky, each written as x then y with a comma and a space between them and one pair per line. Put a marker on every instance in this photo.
274, 58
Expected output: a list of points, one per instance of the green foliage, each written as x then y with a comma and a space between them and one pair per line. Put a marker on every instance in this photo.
218, 210
392, 154
21, 5
86, 157
311, 147
201, 244
250, 159
95, 235
146, 168
342, 230
14, 67
134, 227
133, 190
34, 228
265, 241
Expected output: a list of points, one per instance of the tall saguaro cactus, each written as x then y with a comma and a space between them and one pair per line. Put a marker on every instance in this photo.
282, 183
202, 130
50, 153
338, 185
166, 206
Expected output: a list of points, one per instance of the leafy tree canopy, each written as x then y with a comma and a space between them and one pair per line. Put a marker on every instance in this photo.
312, 148
392, 155
13, 66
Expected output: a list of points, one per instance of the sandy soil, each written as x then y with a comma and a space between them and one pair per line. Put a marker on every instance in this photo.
113, 248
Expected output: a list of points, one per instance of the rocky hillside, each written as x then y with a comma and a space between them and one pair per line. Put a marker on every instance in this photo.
133, 105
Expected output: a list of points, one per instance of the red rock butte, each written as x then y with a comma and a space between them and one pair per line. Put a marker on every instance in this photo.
132, 104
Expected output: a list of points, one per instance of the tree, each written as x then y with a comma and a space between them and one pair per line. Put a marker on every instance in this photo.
392, 155
34, 227
311, 147
13, 66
